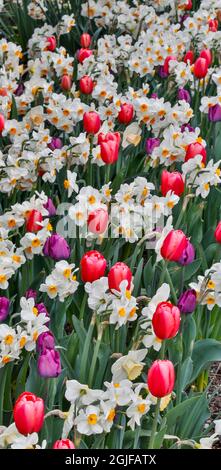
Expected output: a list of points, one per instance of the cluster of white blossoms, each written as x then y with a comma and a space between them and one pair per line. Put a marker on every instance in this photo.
24, 335
61, 282
208, 287
200, 177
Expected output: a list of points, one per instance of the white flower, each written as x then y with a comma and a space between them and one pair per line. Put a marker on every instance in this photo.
70, 183
88, 421
129, 366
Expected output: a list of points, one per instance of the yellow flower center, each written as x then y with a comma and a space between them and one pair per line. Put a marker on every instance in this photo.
92, 419
5, 359
67, 273
67, 184
91, 199
36, 242
2, 278
122, 312
141, 408
111, 415
22, 342
9, 339
52, 289
16, 258
35, 311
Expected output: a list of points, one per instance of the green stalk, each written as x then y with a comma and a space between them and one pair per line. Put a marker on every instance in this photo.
95, 355
154, 426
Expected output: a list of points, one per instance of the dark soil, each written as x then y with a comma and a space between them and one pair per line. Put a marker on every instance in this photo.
215, 404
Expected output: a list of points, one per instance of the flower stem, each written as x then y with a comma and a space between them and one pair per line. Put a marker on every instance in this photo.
154, 426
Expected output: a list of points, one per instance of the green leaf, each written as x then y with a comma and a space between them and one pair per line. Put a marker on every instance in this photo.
191, 269
204, 352
186, 373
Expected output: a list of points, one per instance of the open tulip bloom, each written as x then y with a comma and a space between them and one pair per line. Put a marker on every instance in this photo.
110, 224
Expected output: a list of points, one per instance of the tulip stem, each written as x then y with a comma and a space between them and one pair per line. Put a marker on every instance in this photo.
171, 286
154, 426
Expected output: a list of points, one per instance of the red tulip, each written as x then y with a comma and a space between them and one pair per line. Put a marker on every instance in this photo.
161, 378
93, 266
33, 220
217, 233
213, 25
3, 91
83, 54
2, 122
207, 55
91, 122
66, 82
51, 43
166, 320
28, 413
63, 444
109, 145
172, 182
195, 149
86, 85
189, 56
97, 221
200, 68
85, 40
188, 5
166, 63
126, 113
173, 245
118, 273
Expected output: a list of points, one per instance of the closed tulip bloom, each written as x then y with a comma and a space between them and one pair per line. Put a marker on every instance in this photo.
118, 273
19, 90
33, 221
167, 63
45, 341
85, 40
98, 221
31, 294
86, 85
151, 144
93, 266
214, 113
189, 57
200, 68
51, 43
42, 309
49, 363
126, 113
173, 245
161, 378
66, 82
91, 122
56, 143
217, 233
188, 254
109, 145
28, 413
4, 308
83, 54
64, 444
183, 95
2, 122
188, 5
195, 149
172, 182
56, 247
207, 55
166, 320
213, 25
50, 207
187, 301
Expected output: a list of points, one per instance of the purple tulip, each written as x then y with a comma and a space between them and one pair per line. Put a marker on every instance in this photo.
45, 341
161, 72
4, 308
154, 96
187, 127
31, 294
50, 207
188, 255
183, 95
215, 113
56, 143
56, 247
151, 144
183, 18
19, 90
187, 301
42, 309
49, 364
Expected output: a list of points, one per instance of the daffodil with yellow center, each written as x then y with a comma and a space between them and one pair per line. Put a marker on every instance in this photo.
132, 369
92, 419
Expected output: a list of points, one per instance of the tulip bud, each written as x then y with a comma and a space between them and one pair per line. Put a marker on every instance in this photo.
126, 113
93, 266
86, 85
189, 57
91, 122
161, 378
213, 25
109, 145
42, 309
56, 143
195, 149
188, 254
98, 221
85, 40
49, 364
172, 182
188, 5
19, 90
187, 127
217, 233
83, 54
2, 122
63, 444
118, 273
151, 144
66, 82
214, 113
45, 341
167, 62
3, 91
183, 95
31, 294
207, 55
56, 247
187, 301
173, 245
33, 221
49, 206
51, 43
4, 308
200, 68
166, 320
28, 413
161, 72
